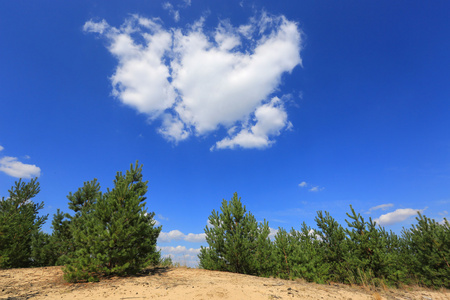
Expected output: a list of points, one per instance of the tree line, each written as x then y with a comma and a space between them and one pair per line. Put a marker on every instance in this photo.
112, 233
360, 253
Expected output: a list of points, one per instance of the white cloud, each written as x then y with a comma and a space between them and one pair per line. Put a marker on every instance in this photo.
1, 148
196, 80
173, 129
273, 233
195, 237
13, 167
381, 206
269, 119
161, 217
397, 216
179, 250
175, 13
378, 207
443, 213
316, 189
182, 255
97, 27
176, 235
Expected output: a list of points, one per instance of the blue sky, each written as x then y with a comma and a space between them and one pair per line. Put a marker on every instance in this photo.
298, 106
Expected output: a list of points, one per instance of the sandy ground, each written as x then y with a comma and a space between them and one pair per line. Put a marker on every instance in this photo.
184, 283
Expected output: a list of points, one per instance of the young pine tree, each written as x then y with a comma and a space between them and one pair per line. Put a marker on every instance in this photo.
373, 252
428, 251
61, 238
19, 221
237, 243
112, 232
333, 247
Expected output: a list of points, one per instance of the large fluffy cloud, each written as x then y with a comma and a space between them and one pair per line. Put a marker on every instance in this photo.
197, 80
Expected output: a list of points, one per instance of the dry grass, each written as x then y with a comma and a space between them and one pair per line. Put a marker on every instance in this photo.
376, 296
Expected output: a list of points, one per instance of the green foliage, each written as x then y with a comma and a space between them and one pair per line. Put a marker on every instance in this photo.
19, 221
112, 233
297, 255
237, 243
428, 251
373, 251
165, 262
363, 253
333, 247
62, 239
43, 252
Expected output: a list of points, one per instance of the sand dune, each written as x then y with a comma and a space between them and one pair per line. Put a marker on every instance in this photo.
184, 283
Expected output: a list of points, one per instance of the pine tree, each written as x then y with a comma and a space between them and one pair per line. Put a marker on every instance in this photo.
19, 221
333, 246
43, 251
112, 232
61, 238
237, 243
297, 255
373, 250
428, 251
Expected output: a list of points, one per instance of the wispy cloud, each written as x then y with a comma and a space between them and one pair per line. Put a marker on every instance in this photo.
1, 148
175, 13
176, 235
397, 216
381, 206
315, 188
15, 168
197, 80
303, 184
161, 217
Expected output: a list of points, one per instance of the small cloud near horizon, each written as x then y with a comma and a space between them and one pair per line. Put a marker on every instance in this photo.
176, 235
15, 168
397, 216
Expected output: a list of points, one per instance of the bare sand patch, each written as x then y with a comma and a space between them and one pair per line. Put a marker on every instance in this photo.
185, 283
